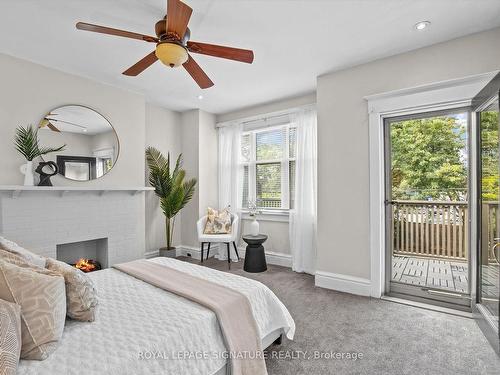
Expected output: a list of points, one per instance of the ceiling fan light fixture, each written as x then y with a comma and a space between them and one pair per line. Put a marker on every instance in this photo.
171, 54
44, 123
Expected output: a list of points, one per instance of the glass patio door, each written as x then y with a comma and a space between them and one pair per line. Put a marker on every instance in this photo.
427, 208
487, 301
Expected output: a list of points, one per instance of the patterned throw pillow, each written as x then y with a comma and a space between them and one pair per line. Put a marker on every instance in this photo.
13, 247
218, 222
42, 297
81, 294
14, 258
10, 337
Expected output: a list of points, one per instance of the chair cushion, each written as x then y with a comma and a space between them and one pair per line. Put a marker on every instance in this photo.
218, 222
10, 337
42, 297
215, 238
13, 247
81, 294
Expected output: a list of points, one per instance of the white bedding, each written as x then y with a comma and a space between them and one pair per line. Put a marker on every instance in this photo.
135, 317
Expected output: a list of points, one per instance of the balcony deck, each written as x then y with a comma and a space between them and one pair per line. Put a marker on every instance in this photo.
432, 273
442, 274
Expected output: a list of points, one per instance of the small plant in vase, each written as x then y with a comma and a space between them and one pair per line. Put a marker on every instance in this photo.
27, 143
253, 211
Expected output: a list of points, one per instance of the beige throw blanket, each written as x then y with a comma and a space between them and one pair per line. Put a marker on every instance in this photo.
232, 309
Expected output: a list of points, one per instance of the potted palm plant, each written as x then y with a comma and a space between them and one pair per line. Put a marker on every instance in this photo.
26, 142
171, 187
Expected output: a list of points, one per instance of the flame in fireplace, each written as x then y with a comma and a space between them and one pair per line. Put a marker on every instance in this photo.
86, 265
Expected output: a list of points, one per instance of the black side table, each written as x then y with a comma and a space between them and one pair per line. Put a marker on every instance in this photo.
255, 258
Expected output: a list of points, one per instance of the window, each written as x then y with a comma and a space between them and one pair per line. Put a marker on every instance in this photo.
268, 157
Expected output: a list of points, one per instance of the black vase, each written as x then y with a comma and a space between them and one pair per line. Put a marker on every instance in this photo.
45, 177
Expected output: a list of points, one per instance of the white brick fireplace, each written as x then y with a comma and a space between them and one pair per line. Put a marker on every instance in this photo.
51, 222
96, 249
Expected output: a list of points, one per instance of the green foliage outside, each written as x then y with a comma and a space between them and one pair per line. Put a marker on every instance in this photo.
429, 158
489, 155
270, 146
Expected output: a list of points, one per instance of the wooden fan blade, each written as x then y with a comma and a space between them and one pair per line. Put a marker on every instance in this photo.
141, 65
116, 32
197, 73
53, 128
46, 123
178, 15
243, 55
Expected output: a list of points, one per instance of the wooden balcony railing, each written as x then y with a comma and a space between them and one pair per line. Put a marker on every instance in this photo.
430, 229
439, 229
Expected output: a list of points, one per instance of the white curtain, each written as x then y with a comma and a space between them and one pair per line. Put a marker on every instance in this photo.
230, 172
303, 215
229, 166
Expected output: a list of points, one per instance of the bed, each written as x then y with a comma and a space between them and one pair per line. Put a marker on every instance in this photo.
143, 329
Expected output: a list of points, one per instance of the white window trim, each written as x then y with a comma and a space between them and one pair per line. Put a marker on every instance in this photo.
283, 211
266, 215
439, 96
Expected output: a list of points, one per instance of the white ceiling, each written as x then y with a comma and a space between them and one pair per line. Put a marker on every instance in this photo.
79, 120
294, 41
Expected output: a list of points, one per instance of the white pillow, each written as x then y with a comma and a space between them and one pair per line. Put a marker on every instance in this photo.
13, 247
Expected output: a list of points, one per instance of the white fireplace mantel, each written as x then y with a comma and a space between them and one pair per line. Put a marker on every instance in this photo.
17, 190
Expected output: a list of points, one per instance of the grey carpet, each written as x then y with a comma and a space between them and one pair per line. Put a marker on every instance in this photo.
394, 338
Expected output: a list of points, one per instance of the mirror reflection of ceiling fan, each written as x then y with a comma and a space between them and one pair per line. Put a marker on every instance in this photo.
173, 44
48, 122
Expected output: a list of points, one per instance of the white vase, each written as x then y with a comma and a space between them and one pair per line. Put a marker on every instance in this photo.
27, 170
254, 227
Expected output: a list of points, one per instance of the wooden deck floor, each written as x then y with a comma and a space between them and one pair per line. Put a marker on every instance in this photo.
432, 273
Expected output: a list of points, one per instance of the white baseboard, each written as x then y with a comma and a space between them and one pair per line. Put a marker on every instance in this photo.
190, 251
195, 253
343, 283
278, 259
151, 254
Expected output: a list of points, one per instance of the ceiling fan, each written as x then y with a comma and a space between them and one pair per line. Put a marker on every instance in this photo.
173, 44
49, 123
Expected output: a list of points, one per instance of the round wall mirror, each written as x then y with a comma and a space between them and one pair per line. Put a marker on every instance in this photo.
92, 145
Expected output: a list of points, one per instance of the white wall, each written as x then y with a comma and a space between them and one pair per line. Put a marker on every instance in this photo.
28, 91
163, 131
343, 174
199, 145
106, 140
190, 138
278, 234
76, 144
207, 170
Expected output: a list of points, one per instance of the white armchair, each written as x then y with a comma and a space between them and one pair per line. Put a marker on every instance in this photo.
219, 238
